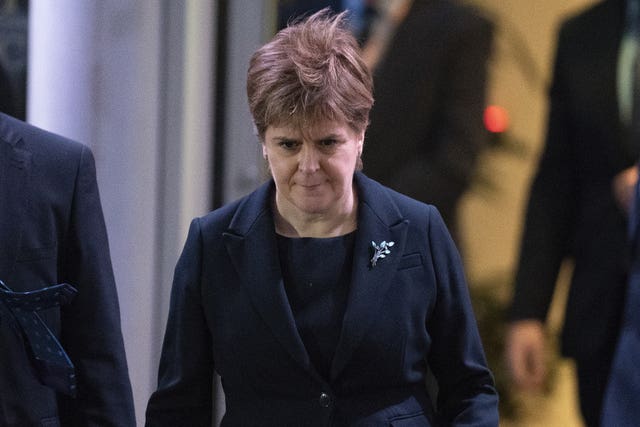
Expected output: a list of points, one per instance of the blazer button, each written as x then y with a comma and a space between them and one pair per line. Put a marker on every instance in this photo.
325, 400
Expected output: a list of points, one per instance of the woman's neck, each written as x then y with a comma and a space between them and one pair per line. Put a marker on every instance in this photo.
291, 222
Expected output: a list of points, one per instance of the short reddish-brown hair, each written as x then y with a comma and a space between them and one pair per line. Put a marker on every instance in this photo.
310, 71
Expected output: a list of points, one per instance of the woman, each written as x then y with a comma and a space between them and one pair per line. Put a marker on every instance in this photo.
322, 298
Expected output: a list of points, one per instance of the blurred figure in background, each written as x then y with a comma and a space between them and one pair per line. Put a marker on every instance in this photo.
622, 399
6, 94
429, 62
360, 12
289, 9
577, 206
13, 57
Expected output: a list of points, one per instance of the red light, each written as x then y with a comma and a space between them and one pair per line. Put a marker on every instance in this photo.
496, 119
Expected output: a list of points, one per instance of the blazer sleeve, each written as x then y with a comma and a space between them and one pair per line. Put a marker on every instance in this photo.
466, 394
90, 325
184, 393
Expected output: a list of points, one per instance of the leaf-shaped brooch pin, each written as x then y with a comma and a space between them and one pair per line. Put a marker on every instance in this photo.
380, 251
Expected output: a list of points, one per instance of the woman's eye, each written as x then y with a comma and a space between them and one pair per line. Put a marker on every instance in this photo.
287, 144
328, 142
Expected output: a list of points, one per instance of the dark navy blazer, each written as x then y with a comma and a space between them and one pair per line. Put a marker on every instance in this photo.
51, 231
229, 312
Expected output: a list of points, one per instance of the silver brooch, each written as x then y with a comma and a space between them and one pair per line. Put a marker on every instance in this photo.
380, 251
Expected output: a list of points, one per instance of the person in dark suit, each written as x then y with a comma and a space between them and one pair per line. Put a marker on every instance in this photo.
56, 272
429, 65
322, 298
576, 210
621, 407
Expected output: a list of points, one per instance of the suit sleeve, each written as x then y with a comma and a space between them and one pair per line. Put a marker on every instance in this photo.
551, 207
467, 395
90, 325
184, 393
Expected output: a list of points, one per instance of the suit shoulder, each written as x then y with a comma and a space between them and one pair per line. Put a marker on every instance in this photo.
592, 19
55, 161
45, 145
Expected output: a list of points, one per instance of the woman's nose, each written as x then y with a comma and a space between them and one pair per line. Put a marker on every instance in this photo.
309, 159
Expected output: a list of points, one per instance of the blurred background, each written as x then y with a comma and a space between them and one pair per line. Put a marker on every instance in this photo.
157, 89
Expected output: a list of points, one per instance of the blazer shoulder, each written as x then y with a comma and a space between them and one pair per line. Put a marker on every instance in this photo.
220, 218
408, 205
47, 146
414, 210
238, 216
54, 148
422, 216
426, 225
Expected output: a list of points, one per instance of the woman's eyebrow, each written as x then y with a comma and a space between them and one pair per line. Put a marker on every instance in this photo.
332, 135
284, 138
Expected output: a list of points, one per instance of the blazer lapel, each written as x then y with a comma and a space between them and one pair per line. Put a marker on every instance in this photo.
252, 247
14, 164
378, 220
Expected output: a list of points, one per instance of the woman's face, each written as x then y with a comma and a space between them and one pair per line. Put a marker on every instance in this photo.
313, 172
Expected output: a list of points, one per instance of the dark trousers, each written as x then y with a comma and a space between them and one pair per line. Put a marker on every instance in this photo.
592, 382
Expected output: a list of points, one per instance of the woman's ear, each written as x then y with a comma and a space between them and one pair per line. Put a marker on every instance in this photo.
264, 151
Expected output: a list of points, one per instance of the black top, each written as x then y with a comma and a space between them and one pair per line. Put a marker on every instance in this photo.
316, 274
